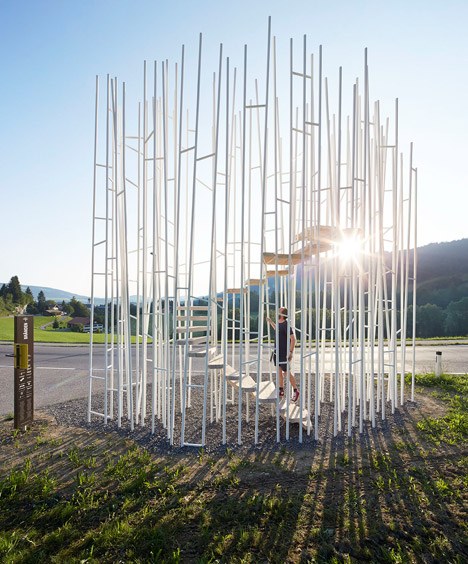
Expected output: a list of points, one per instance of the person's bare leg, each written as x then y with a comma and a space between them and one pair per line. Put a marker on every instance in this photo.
293, 381
281, 377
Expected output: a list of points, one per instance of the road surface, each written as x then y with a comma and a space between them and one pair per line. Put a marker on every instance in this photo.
61, 372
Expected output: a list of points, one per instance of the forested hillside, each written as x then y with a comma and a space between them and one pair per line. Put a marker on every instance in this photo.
442, 291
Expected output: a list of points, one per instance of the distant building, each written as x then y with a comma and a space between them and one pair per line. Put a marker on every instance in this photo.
53, 311
85, 323
78, 321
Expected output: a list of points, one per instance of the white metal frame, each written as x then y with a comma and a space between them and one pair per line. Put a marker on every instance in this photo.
279, 211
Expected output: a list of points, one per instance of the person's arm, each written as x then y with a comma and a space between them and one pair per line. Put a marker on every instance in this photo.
272, 324
292, 344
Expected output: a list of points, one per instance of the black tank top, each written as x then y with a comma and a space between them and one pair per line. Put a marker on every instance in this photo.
283, 340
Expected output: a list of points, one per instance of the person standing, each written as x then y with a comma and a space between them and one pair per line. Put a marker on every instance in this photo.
284, 349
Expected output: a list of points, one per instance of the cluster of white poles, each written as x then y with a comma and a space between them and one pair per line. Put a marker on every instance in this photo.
219, 198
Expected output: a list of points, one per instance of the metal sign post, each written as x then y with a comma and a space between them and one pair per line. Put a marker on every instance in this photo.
24, 371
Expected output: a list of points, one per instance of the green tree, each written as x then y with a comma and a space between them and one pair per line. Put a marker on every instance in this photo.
32, 309
79, 309
67, 308
99, 315
28, 297
14, 288
457, 318
41, 302
8, 299
430, 321
3, 308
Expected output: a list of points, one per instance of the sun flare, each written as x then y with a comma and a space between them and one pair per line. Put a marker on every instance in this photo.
349, 248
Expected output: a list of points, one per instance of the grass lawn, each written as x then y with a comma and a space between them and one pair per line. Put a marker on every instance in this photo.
48, 335
70, 495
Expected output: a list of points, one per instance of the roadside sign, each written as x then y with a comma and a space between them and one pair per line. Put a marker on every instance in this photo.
24, 371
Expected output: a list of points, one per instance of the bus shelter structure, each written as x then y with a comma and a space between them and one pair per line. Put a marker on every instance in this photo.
219, 197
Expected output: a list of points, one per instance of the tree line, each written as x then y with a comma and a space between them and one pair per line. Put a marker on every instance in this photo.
12, 297
432, 319
14, 301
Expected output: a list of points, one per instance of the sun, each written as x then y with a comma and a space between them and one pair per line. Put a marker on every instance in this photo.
349, 248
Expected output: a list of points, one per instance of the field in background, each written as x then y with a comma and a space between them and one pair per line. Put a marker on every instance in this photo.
48, 335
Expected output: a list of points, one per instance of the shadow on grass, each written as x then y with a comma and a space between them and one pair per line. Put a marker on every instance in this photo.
387, 495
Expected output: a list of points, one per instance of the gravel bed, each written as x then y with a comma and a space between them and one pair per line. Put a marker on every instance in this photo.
74, 413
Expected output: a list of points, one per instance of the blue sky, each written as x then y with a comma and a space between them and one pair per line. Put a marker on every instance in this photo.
52, 50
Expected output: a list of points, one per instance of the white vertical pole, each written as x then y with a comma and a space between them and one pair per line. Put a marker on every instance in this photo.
177, 187
415, 270
212, 286
125, 288
154, 261
138, 266
143, 317
170, 357
116, 231
278, 434
164, 72
91, 323
336, 280
317, 284
304, 227
241, 285
189, 264
292, 189
106, 287
226, 236
351, 313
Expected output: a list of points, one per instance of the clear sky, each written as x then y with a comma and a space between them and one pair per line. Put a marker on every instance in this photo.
51, 50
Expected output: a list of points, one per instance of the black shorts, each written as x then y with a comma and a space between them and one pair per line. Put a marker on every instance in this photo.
283, 363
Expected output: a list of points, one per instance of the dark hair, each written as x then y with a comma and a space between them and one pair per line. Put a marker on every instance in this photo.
283, 311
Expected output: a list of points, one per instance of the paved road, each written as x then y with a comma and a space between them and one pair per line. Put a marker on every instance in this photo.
61, 372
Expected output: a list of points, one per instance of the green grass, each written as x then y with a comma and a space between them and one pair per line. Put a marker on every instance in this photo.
452, 428
445, 382
49, 335
103, 499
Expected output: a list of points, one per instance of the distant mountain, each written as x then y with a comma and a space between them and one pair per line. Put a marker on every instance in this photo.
442, 272
442, 259
54, 293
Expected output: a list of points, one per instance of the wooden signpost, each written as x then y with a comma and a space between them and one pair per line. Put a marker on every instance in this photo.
24, 371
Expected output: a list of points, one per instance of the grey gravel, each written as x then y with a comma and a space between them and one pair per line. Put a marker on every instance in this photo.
74, 413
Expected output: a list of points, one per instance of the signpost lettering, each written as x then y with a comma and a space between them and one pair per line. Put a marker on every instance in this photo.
24, 371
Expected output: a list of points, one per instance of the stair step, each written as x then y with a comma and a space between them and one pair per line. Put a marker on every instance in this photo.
201, 352
192, 317
295, 413
271, 273
254, 282
267, 392
248, 383
192, 341
192, 308
231, 373
282, 259
192, 329
236, 291
217, 362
